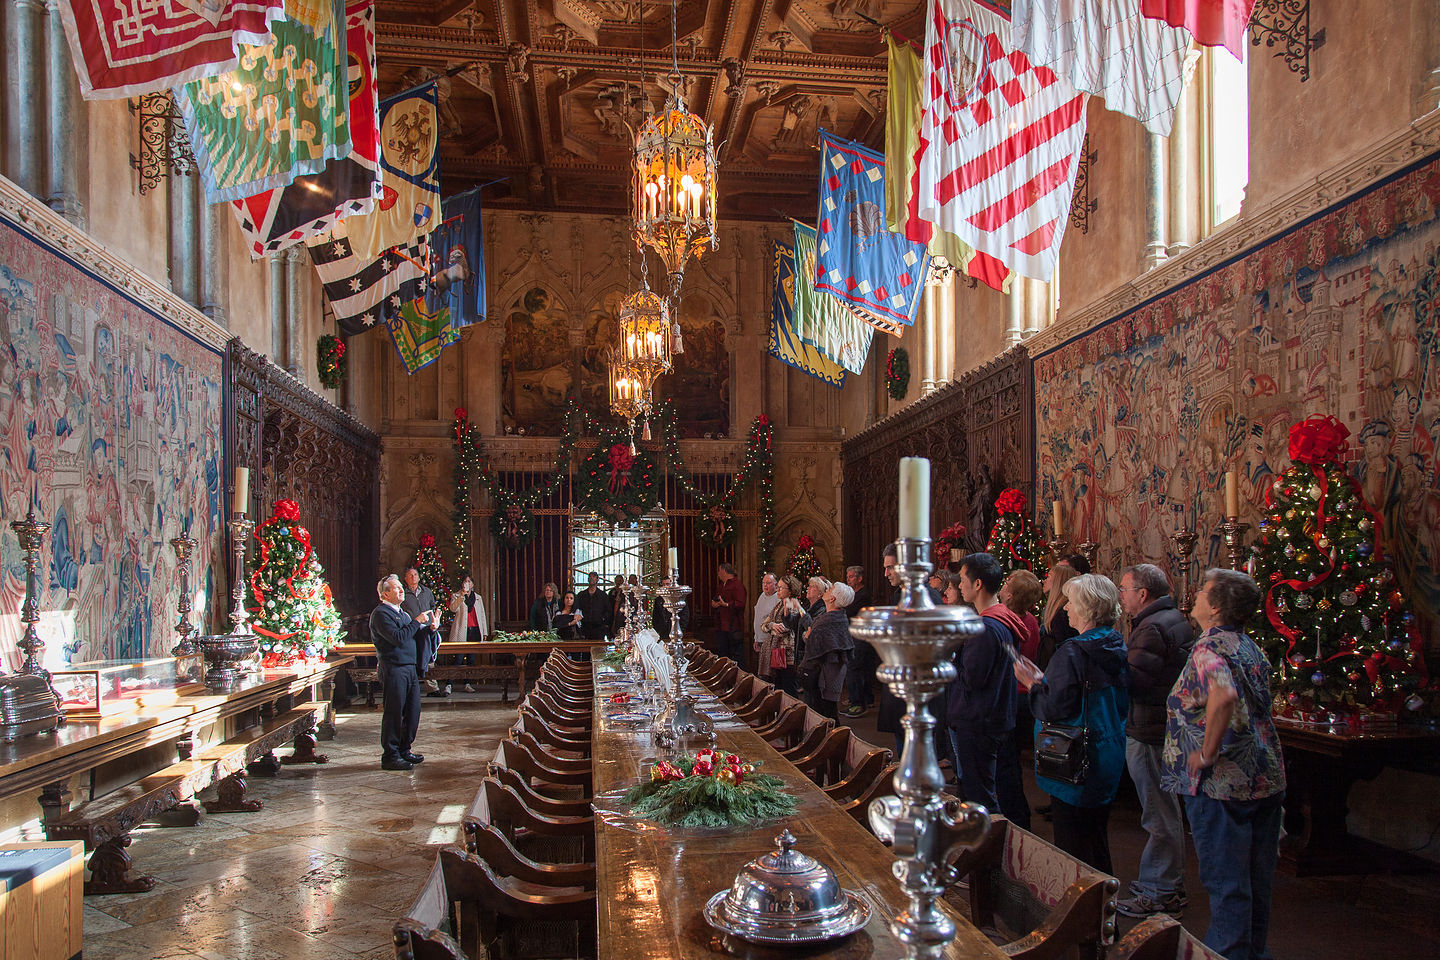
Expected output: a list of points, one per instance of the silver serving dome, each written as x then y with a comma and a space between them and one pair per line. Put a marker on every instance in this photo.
784, 897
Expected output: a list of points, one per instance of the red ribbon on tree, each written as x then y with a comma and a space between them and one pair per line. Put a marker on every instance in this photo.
805, 542
1318, 440
621, 460
287, 510
462, 417
763, 422
1011, 501
427, 540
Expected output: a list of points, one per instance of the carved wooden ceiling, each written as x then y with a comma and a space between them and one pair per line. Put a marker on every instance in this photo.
542, 90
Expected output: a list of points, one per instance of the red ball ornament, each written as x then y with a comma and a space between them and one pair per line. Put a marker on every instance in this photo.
1396, 597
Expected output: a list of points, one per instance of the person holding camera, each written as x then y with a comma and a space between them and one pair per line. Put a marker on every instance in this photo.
404, 646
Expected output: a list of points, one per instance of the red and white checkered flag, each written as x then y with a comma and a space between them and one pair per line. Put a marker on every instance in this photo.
999, 138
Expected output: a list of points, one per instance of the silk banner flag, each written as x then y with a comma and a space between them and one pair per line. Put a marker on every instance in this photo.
902, 141
457, 262
784, 344
409, 175
282, 113
857, 260
419, 335
821, 320
125, 48
1108, 48
1000, 138
275, 219
1213, 23
366, 292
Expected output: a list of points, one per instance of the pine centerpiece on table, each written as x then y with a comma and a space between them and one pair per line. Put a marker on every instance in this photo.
293, 612
1333, 622
803, 562
710, 790
1014, 541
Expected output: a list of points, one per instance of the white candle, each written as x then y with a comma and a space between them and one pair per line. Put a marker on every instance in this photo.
674, 561
1232, 494
241, 501
914, 498
1059, 515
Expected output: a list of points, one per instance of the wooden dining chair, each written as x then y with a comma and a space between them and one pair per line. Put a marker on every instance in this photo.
579, 732
1160, 937
824, 764
813, 733
490, 844
529, 722
785, 729
542, 778
741, 692
721, 676
557, 839
579, 703
570, 689
1040, 902
762, 708
550, 758
506, 917
549, 806
567, 715
578, 674
425, 932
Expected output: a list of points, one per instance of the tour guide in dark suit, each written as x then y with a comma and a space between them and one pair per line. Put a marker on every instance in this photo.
403, 647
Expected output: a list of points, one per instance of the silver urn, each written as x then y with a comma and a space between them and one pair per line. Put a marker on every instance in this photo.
226, 656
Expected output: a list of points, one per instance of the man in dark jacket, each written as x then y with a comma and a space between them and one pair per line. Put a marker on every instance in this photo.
1159, 644
418, 602
892, 708
983, 696
860, 680
595, 609
660, 616
403, 647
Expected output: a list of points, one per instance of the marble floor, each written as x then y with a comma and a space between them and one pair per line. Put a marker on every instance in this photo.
323, 871
340, 851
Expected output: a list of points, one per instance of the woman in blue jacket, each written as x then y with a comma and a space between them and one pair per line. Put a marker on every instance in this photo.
1086, 683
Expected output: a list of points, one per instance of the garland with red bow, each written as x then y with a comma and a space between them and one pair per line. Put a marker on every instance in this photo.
615, 481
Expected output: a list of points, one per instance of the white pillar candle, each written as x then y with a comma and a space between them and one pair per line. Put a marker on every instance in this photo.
1059, 516
674, 561
1232, 494
240, 502
914, 498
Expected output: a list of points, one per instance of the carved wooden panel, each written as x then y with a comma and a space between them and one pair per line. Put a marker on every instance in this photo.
976, 433
301, 447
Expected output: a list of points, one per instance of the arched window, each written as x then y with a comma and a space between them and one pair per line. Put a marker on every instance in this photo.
1225, 136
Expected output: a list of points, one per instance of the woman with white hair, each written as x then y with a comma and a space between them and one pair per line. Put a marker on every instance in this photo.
815, 589
827, 652
1085, 684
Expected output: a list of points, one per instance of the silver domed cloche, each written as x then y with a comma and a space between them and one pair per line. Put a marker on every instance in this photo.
787, 897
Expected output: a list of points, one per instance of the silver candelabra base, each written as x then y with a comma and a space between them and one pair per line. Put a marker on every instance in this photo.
678, 719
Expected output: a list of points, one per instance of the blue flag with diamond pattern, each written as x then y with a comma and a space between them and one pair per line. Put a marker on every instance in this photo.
858, 260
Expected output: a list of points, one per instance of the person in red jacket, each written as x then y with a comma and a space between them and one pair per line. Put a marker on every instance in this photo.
730, 605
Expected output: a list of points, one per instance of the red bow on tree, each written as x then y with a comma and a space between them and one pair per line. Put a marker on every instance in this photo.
1011, 501
1318, 440
806, 542
287, 510
621, 460
427, 540
462, 417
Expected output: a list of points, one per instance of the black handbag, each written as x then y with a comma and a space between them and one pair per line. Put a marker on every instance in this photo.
1060, 748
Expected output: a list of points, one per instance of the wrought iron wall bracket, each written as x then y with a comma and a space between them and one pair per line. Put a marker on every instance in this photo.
1081, 206
164, 147
1285, 24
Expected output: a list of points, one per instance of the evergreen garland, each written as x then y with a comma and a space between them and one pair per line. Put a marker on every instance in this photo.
897, 373
330, 360
1014, 541
708, 790
293, 612
616, 481
1332, 620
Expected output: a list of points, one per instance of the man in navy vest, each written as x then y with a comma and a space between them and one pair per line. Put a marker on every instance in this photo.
403, 646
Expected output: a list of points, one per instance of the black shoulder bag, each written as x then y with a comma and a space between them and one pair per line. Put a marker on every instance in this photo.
1060, 748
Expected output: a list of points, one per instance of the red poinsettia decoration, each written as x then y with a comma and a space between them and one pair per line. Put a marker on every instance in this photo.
287, 510
1318, 440
427, 540
1011, 501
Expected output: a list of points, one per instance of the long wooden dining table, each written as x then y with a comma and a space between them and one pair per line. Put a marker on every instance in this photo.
652, 884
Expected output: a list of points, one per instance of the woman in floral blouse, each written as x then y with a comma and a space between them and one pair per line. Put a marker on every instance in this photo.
1222, 755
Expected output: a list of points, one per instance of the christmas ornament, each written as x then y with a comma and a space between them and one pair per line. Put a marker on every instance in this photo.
1317, 678
1348, 598
1304, 601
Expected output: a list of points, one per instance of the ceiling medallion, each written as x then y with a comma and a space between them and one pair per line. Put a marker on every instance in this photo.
674, 197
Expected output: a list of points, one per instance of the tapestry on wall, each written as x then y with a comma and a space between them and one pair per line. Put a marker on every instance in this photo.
1138, 420
112, 421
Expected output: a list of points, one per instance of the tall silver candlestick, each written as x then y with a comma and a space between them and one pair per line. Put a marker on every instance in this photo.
240, 535
184, 548
679, 718
31, 534
1233, 531
1184, 541
915, 641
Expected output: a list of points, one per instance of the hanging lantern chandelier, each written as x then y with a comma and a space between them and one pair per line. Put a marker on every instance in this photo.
675, 180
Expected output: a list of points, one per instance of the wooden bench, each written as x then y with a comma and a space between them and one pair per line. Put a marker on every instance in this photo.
105, 823
423, 933
1041, 902
504, 916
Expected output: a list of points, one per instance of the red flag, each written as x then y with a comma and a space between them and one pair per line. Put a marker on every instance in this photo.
1213, 23
123, 48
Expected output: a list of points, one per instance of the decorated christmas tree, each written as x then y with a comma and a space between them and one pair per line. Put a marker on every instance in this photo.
803, 563
1333, 621
431, 567
293, 612
1014, 541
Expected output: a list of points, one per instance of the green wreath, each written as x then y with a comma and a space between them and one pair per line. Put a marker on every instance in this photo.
616, 483
897, 373
716, 525
513, 523
330, 360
